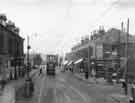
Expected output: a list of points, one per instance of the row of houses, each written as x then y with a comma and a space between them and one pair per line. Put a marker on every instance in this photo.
106, 50
11, 47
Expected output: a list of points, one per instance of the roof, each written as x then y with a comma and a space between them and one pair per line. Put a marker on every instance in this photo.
11, 32
115, 35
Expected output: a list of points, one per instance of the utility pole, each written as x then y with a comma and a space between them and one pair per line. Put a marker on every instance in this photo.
126, 56
127, 36
89, 71
28, 82
118, 51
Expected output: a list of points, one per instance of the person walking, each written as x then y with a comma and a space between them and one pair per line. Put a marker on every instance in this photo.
132, 100
40, 72
125, 86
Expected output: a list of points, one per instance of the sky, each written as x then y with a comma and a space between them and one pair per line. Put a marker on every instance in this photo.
54, 26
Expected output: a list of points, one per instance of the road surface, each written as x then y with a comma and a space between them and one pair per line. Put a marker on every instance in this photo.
66, 88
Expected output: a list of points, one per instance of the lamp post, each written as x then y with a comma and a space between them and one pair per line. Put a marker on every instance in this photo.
88, 61
28, 61
28, 83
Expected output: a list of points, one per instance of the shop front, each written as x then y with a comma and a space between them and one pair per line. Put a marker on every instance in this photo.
79, 66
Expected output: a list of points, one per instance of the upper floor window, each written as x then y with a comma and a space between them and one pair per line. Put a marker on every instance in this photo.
1, 41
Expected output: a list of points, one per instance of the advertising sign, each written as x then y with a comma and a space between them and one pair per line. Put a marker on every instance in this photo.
99, 51
131, 68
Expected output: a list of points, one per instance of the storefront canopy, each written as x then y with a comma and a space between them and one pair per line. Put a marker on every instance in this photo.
65, 62
70, 63
78, 61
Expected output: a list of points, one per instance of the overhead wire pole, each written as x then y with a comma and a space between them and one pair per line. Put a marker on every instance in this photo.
118, 52
88, 71
126, 56
119, 46
105, 12
126, 49
28, 82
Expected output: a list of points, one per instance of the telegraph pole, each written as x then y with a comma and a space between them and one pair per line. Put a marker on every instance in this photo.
28, 82
88, 61
127, 36
126, 55
118, 52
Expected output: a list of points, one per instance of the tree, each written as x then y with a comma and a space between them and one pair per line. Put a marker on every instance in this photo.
37, 60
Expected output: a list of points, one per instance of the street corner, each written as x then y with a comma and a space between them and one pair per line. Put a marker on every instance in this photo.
1, 91
81, 77
8, 95
120, 98
101, 80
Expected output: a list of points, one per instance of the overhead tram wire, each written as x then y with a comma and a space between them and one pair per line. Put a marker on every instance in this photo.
105, 12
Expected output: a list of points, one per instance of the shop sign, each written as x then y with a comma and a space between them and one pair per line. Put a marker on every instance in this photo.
99, 51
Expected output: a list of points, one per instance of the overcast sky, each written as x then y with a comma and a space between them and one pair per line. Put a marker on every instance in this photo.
55, 25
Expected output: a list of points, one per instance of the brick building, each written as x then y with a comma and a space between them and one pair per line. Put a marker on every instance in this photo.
111, 52
11, 48
107, 50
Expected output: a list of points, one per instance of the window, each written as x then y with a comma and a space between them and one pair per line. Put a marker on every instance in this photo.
1, 41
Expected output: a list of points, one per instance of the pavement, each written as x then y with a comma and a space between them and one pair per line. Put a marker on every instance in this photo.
90, 80
119, 97
20, 96
8, 94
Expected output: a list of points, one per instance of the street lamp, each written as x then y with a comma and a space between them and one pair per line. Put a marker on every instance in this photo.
28, 83
28, 61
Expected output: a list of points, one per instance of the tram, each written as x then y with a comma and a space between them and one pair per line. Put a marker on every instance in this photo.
51, 63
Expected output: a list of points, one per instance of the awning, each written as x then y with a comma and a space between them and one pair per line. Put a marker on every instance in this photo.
100, 64
114, 74
122, 80
70, 63
78, 61
65, 62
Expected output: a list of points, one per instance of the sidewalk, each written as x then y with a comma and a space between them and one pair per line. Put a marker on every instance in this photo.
119, 98
8, 94
20, 97
116, 97
81, 76
33, 72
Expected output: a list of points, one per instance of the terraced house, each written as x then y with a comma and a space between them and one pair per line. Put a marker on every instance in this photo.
106, 51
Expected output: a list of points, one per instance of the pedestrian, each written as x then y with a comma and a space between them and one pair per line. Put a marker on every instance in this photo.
132, 100
3, 83
124, 85
40, 72
31, 87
